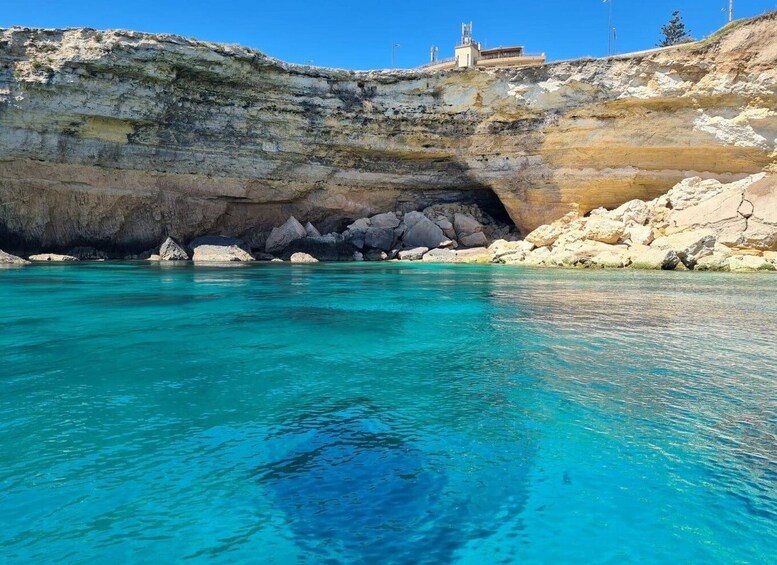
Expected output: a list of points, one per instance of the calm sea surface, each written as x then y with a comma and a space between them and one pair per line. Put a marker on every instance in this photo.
392, 413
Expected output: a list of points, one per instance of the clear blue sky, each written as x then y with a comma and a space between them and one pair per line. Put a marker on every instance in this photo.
359, 34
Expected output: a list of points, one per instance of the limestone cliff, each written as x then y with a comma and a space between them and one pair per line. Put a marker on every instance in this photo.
118, 139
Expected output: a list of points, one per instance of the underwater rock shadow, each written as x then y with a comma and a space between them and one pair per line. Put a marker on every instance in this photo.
356, 487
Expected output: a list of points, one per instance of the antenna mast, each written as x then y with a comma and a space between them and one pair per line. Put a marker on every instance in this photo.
730, 10
466, 33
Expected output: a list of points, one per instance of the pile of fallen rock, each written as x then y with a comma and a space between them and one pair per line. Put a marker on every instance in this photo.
699, 224
445, 233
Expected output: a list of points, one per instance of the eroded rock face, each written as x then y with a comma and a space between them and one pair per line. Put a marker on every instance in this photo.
709, 225
118, 139
8, 259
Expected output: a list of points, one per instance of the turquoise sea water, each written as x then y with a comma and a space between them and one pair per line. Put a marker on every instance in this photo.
394, 413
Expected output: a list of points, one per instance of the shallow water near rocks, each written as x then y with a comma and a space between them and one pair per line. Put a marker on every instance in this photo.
386, 412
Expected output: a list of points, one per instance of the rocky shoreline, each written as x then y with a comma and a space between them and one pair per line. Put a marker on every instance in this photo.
699, 225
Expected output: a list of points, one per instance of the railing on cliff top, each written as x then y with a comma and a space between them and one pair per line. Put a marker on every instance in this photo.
439, 62
509, 55
485, 58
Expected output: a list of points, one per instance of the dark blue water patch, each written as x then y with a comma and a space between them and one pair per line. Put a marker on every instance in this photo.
354, 481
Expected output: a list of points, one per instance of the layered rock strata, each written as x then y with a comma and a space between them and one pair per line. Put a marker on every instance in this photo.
117, 140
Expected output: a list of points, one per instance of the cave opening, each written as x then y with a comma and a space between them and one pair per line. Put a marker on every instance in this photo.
483, 197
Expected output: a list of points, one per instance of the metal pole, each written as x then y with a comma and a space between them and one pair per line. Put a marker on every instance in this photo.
393, 46
730, 10
609, 29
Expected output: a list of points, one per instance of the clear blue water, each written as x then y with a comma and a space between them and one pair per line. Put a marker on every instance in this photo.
397, 413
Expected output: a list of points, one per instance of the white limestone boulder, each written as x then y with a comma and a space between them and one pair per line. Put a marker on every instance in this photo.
52, 257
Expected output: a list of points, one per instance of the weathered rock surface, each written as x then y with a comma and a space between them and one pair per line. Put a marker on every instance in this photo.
440, 256
117, 139
8, 259
656, 258
379, 238
422, 232
52, 257
171, 250
749, 263
415, 254
311, 231
302, 258
689, 246
282, 236
477, 239
219, 249
693, 221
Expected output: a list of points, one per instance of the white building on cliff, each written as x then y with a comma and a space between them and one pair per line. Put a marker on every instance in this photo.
469, 53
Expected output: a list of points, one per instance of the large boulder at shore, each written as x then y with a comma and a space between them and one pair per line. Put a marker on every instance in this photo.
477, 239
302, 258
446, 226
503, 251
415, 254
171, 250
633, 211
656, 258
379, 238
282, 236
8, 259
603, 230
219, 249
329, 247
52, 257
465, 225
740, 263
689, 246
385, 220
544, 235
422, 232
440, 256
220, 254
